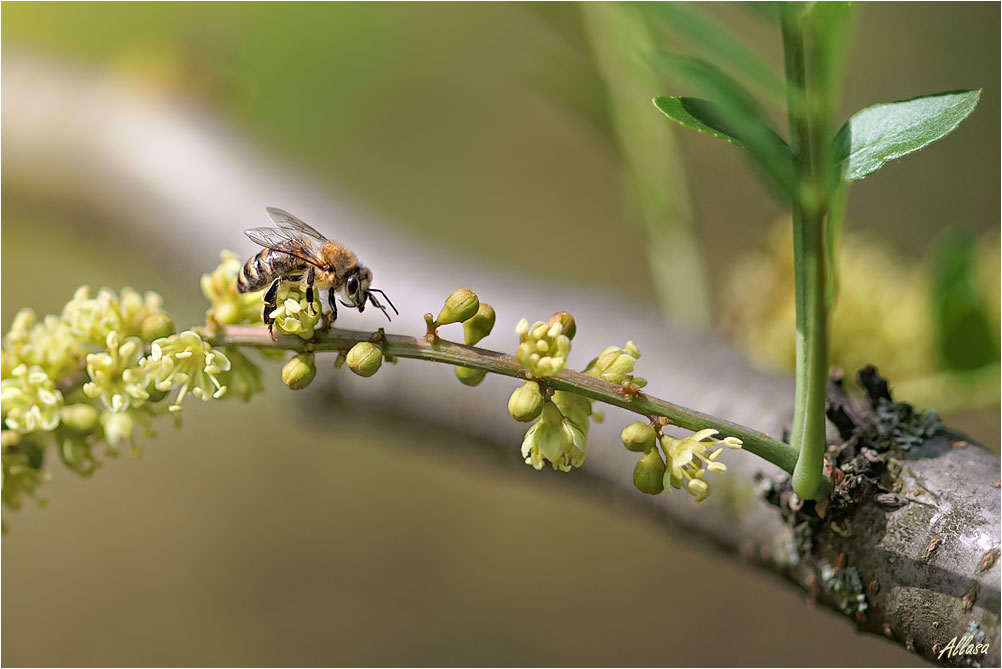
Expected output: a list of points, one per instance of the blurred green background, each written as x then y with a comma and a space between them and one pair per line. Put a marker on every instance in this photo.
277, 540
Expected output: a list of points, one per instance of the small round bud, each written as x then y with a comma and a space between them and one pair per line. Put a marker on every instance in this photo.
364, 358
157, 326
526, 402
79, 417
469, 376
567, 325
480, 325
299, 371
461, 306
639, 437
649, 473
226, 313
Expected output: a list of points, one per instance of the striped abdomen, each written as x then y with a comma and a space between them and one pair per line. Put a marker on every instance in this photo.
265, 267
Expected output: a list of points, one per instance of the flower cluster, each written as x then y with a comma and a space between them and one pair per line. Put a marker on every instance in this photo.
560, 434
115, 373
31, 401
92, 319
542, 348
187, 362
98, 372
685, 460
49, 344
293, 314
229, 306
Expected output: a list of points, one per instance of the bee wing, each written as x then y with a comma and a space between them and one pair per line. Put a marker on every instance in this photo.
287, 221
287, 241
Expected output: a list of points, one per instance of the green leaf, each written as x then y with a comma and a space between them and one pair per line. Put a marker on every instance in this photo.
884, 132
965, 336
733, 113
695, 27
696, 114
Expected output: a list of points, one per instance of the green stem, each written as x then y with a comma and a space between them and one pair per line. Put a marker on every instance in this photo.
442, 351
808, 434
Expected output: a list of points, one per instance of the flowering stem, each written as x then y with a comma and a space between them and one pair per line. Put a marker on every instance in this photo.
420, 348
808, 434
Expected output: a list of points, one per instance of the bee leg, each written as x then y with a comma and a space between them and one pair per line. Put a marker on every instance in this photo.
311, 276
269, 306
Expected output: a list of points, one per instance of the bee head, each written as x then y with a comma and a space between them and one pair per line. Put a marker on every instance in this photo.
358, 293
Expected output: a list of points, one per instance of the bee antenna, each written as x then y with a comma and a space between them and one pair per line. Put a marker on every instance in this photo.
378, 305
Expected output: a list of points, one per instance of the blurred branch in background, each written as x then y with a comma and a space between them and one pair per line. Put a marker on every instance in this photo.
183, 184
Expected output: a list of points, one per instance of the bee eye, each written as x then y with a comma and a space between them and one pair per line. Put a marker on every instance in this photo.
352, 285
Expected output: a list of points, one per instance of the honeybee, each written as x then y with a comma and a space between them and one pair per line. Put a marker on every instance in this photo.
294, 250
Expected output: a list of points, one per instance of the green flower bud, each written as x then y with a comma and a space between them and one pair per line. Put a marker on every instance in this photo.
364, 358
639, 437
567, 325
226, 312
526, 402
649, 473
299, 371
461, 306
480, 325
79, 417
157, 326
469, 376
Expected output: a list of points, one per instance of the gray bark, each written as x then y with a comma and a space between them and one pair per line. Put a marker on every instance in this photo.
162, 171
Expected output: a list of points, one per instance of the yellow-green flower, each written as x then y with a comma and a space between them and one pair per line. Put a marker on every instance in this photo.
49, 344
93, 318
229, 306
189, 363
689, 458
115, 374
555, 439
615, 365
31, 401
542, 348
293, 315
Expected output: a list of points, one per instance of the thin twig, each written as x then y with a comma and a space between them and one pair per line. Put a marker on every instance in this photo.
436, 349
